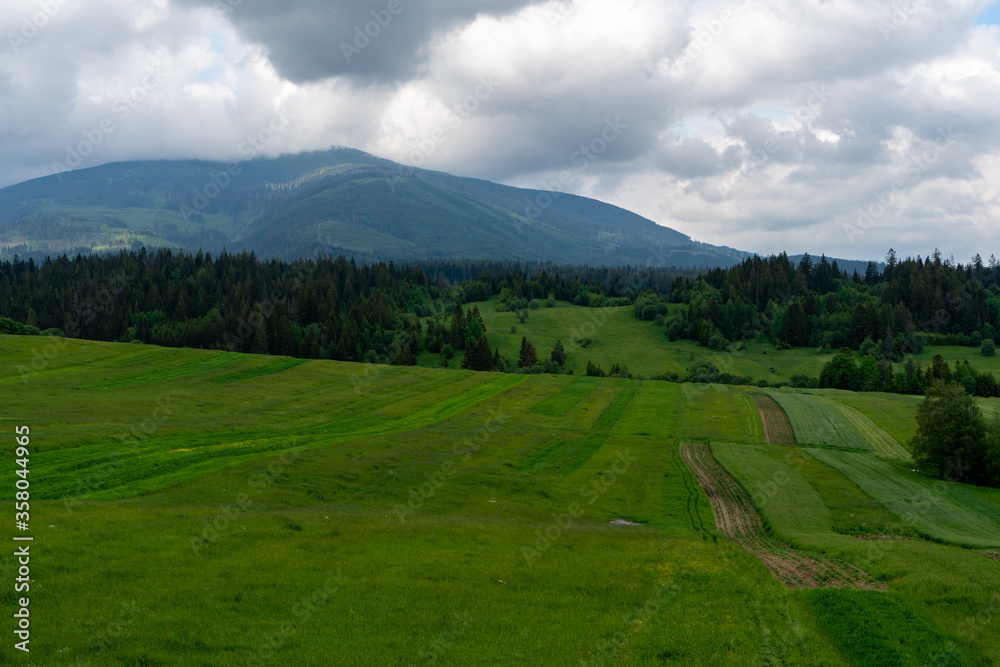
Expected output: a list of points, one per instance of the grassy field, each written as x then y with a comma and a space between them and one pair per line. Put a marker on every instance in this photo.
642, 346
197, 508
620, 338
817, 422
878, 441
942, 511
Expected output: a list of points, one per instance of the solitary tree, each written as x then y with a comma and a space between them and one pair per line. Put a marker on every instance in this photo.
478, 356
559, 354
988, 348
951, 431
528, 356
841, 372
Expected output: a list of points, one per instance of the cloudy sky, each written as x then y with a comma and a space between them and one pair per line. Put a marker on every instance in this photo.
837, 126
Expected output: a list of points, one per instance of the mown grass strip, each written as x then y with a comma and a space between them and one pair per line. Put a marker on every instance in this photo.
564, 401
614, 411
148, 465
881, 443
566, 456
209, 363
275, 366
940, 511
877, 629
816, 422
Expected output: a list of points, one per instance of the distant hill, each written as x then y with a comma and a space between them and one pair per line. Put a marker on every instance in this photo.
335, 201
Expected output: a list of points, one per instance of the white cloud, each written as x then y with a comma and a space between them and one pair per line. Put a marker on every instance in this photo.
728, 139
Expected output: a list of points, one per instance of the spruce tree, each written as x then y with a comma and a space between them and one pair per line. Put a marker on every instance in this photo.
458, 325
528, 357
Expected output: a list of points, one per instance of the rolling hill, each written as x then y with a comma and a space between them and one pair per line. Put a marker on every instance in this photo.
335, 201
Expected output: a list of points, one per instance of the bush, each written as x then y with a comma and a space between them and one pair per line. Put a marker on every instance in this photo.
717, 342
988, 348
533, 305
800, 381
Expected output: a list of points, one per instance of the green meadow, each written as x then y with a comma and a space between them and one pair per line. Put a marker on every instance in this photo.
619, 338
203, 508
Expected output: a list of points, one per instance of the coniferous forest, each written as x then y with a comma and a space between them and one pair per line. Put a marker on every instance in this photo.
386, 313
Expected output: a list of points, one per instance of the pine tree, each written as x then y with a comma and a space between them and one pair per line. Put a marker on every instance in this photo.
528, 357
458, 325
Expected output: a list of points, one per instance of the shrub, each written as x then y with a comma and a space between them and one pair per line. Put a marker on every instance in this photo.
988, 348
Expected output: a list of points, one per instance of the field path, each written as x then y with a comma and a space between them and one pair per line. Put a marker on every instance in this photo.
738, 519
777, 428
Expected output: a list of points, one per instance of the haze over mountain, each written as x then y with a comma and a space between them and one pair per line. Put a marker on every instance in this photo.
335, 201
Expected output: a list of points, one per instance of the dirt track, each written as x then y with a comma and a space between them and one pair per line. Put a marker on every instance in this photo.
777, 428
738, 519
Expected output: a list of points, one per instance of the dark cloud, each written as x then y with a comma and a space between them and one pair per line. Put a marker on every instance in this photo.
377, 41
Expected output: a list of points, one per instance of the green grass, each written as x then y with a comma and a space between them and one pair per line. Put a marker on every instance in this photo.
943, 511
618, 337
259, 368
878, 441
816, 422
562, 402
893, 413
412, 484
716, 414
895, 631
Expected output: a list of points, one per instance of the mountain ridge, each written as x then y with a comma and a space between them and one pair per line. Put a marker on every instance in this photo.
341, 200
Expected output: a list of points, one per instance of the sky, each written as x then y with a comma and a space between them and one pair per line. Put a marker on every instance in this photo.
825, 126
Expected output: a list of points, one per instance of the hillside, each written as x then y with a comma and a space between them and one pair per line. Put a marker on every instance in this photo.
336, 201
386, 515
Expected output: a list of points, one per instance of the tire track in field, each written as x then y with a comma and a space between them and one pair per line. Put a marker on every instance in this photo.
693, 498
777, 428
738, 519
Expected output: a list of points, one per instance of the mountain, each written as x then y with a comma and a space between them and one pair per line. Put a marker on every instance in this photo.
335, 201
